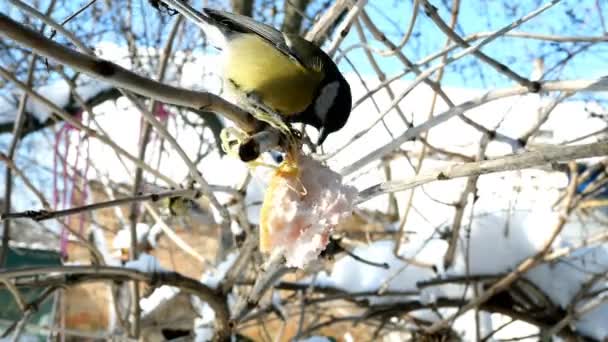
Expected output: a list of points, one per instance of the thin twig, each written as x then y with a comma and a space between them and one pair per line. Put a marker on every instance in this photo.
70, 275
345, 25
319, 31
26, 181
183, 245
30, 309
90, 132
400, 239
521, 269
77, 12
546, 155
123, 78
144, 140
431, 11
273, 271
8, 185
16, 294
408, 32
575, 309
470, 188
457, 110
40, 215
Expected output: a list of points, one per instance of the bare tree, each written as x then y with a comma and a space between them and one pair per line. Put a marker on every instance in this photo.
471, 205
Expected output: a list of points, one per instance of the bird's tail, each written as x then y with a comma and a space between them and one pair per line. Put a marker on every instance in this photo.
213, 33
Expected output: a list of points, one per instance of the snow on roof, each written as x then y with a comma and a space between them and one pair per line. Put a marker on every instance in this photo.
40, 245
28, 233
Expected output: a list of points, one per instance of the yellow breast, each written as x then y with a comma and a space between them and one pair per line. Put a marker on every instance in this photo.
256, 66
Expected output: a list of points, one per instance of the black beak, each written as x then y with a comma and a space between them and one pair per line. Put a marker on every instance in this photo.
323, 133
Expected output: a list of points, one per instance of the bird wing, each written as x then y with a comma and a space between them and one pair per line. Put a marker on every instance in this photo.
244, 24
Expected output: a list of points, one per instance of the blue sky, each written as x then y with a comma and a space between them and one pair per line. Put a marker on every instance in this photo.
571, 17
518, 54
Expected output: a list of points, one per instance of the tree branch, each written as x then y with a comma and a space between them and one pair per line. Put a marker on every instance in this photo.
547, 155
123, 78
71, 275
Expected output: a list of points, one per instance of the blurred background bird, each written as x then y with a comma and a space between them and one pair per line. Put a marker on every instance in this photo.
275, 72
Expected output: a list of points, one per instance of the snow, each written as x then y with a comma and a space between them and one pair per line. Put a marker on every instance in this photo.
512, 115
493, 249
212, 278
203, 325
514, 329
593, 323
99, 241
145, 263
203, 331
572, 271
123, 237
89, 88
354, 276
519, 235
58, 92
160, 295
512, 217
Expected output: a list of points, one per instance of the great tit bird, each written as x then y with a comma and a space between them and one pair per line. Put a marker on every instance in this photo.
271, 70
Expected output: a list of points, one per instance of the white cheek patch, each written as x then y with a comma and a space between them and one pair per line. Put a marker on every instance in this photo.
287, 41
215, 37
326, 99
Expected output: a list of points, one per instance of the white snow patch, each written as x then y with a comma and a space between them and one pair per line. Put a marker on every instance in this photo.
160, 295
57, 92
353, 276
145, 263
212, 278
513, 238
204, 325
100, 243
123, 236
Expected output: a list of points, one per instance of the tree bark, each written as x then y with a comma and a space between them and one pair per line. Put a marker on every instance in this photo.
294, 13
243, 7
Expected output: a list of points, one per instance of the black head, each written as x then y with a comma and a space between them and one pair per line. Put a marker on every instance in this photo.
332, 103
332, 106
330, 109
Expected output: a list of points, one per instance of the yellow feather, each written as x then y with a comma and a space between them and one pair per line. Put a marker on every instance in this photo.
280, 82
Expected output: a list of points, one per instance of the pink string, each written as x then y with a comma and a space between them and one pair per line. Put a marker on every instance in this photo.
64, 232
85, 182
161, 112
55, 163
64, 133
62, 235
